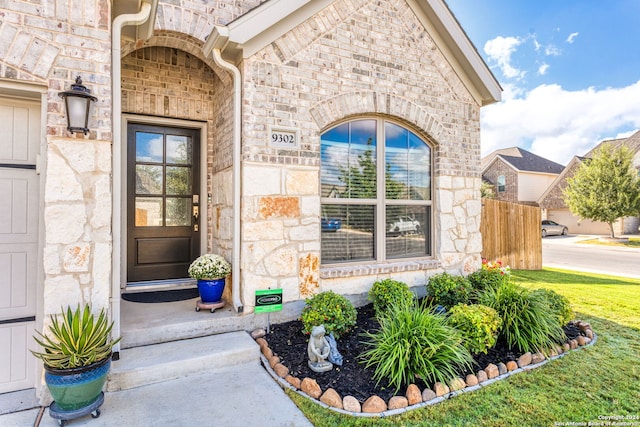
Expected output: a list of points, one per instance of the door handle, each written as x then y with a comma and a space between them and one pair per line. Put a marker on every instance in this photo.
196, 212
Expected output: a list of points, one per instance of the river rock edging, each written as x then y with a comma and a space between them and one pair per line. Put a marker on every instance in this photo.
376, 407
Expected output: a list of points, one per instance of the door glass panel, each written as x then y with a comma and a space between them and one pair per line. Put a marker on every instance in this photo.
148, 212
149, 147
148, 179
178, 149
178, 212
178, 180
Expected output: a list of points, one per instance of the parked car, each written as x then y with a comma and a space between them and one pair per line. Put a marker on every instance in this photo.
553, 228
404, 225
330, 224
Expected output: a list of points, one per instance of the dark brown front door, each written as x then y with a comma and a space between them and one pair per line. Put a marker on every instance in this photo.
163, 203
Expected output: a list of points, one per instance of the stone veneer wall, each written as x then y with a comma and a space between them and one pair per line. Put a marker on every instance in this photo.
354, 57
50, 43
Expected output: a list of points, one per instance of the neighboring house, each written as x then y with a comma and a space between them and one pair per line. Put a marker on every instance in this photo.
215, 129
552, 200
517, 175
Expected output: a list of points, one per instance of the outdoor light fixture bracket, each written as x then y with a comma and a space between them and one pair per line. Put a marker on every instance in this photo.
77, 102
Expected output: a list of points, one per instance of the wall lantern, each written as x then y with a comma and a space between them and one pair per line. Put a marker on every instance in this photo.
77, 102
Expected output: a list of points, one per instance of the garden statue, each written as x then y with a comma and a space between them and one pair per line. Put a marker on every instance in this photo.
334, 355
318, 350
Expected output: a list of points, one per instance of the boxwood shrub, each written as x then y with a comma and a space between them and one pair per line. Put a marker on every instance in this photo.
335, 312
448, 290
386, 292
479, 325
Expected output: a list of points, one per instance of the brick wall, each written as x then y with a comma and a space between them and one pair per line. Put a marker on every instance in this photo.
492, 173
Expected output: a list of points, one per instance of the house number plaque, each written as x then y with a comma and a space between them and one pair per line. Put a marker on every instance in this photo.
284, 138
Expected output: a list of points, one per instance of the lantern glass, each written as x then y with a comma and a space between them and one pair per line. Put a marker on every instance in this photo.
77, 112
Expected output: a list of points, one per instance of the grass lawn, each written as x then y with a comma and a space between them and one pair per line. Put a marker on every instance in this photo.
634, 242
601, 380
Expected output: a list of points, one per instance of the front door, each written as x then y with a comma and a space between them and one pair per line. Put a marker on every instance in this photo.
163, 201
19, 218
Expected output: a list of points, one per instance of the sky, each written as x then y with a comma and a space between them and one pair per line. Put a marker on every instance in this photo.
569, 69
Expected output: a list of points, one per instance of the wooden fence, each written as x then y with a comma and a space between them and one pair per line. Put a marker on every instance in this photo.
511, 233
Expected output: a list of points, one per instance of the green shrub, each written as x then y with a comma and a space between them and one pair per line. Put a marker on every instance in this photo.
479, 325
448, 290
528, 324
334, 311
414, 341
559, 305
386, 292
484, 278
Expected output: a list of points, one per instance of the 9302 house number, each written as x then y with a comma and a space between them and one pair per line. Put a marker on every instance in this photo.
283, 139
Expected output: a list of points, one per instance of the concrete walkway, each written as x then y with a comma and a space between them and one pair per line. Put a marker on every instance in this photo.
243, 395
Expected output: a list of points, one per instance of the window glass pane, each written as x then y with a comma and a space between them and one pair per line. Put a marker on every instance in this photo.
347, 233
178, 149
148, 211
178, 180
149, 147
419, 166
178, 212
407, 231
148, 179
348, 155
407, 165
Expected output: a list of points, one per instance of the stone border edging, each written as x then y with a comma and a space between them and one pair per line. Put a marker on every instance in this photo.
269, 362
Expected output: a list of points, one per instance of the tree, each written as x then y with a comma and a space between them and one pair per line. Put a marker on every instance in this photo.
605, 187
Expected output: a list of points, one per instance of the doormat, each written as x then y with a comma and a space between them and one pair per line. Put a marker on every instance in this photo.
161, 296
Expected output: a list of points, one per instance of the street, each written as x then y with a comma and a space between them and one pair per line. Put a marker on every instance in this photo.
564, 252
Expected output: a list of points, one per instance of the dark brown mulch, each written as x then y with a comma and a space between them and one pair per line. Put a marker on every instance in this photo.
289, 343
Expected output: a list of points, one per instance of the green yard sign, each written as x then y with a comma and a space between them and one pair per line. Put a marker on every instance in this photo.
268, 300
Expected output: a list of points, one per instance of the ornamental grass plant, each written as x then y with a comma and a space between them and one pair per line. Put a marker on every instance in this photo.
414, 341
528, 324
76, 338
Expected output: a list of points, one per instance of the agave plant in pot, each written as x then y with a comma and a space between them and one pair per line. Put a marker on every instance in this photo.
77, 357
211, 271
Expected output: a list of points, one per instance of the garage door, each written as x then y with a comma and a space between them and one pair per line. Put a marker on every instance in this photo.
19, 193
564, 216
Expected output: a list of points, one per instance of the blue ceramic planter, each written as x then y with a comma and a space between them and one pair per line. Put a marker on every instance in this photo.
76, 388
211, 289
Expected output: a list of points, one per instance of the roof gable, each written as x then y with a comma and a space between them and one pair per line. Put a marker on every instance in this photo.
264, 24
523, 161
632, 142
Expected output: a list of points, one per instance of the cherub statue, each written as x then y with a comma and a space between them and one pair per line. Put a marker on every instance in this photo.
318, 350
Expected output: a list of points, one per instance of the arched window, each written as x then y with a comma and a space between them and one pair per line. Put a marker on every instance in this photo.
376, 199
502, 184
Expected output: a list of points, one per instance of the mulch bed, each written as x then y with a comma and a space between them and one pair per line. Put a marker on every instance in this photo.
288, 342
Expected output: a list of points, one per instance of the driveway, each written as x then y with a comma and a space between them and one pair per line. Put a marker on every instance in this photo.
565, 252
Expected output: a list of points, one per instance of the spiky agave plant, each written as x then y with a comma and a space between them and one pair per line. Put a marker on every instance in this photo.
78, 339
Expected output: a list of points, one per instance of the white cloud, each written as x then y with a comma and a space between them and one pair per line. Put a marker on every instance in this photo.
551, 50
556, 123
500, 50
542, 70
572, 37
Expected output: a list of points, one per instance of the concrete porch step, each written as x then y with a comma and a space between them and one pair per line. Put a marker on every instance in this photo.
170, 360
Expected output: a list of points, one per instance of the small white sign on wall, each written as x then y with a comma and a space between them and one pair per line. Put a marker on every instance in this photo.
284, 138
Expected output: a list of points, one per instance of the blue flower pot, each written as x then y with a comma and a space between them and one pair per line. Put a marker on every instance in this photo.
77, 388
211, 289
